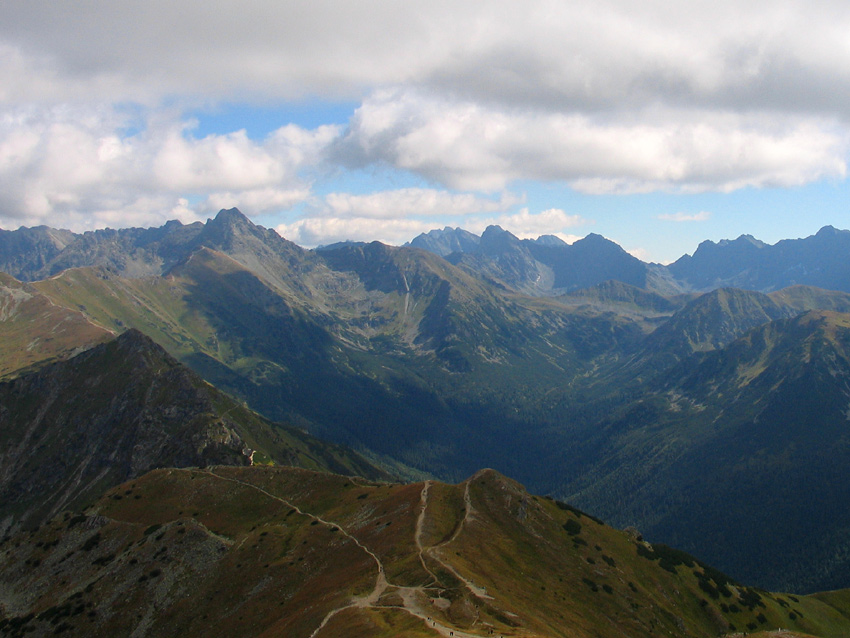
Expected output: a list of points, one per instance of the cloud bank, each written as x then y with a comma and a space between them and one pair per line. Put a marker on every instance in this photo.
471, 146
607, 97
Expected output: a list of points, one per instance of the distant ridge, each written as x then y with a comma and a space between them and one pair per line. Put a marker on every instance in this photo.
447, 241
819, 260
543, 266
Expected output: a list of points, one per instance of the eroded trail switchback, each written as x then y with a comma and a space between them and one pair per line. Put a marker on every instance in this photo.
426, 602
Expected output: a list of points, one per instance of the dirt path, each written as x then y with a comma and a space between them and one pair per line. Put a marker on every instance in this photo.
434, 552
412, 597
371, 599
420, 522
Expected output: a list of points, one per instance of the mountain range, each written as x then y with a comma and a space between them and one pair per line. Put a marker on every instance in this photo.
549, 266
702, 402
546, 265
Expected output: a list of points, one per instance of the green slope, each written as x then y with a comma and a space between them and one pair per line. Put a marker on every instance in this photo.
34, 330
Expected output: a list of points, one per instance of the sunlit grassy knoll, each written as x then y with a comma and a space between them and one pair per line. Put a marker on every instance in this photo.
383, 517
445, 513
290, 571
34, 331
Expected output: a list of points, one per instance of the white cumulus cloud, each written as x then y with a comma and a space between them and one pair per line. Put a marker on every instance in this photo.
77, 167
352, 224
315, 231
775, 54
472, 146
606, 97
413, 202
685, 217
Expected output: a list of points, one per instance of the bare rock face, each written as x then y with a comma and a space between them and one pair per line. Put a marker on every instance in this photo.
112, 413
27, 251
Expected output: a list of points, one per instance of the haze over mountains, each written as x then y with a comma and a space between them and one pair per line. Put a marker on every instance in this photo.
704, 402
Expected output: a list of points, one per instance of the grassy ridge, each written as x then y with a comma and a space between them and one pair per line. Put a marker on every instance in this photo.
34, 330
283, 551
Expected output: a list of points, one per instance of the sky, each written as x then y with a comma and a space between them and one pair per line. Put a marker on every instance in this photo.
656, 124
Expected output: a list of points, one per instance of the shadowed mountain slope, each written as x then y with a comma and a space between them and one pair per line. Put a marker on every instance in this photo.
400, 335
76, 427
739, 453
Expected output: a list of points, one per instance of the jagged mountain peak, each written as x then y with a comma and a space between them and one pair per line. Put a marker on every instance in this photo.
495, 229
746, 244
595, 237
231, 215
442, 232
447, 241
495, 240
550, 240
828, 231
596, 241
227, 224
741, 241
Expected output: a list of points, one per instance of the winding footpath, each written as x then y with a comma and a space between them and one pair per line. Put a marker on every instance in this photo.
434, 552
412, 597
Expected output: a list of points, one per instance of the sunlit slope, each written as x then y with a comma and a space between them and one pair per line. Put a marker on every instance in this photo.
287, 552
34, 330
